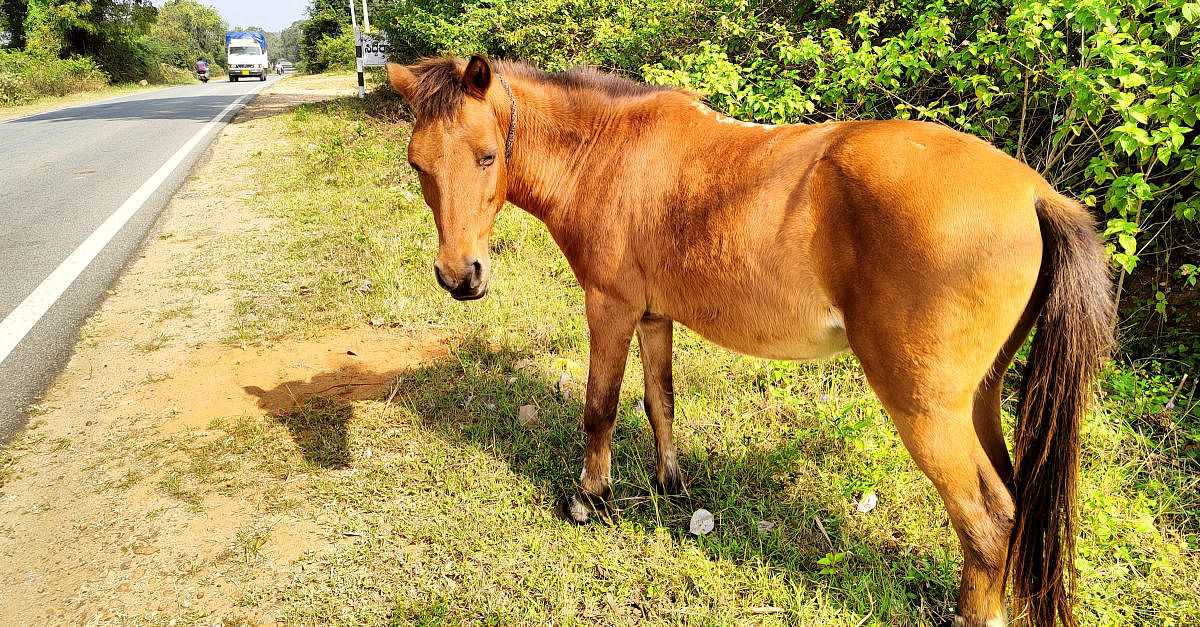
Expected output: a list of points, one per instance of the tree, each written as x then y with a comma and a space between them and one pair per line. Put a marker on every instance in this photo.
327, 18
12, 23
289, 41
190, 31
108, 31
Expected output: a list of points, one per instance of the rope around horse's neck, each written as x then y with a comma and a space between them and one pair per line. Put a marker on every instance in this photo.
512, 119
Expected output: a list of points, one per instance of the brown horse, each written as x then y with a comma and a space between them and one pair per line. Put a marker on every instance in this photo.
927, 252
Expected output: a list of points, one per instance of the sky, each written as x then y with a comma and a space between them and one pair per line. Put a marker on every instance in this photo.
272, 15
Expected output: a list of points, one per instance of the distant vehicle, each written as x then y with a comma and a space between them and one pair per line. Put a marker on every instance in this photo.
247, 55
202, 75
283, 67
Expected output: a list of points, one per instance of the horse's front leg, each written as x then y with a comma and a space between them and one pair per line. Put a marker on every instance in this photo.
654, 337
611, 322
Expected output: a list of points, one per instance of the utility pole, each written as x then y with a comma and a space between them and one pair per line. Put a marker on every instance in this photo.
366, 18
362, 92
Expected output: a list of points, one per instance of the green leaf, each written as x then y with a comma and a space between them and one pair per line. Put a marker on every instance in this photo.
1133, 79
1128, 243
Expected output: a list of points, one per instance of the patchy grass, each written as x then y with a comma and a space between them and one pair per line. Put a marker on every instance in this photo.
439, 504
151, 344
248, 541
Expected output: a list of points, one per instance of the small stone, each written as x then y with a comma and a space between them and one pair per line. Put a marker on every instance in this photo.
640, 408
527, 416
511, 382
867, 502
144, 549
767, 526
702, 523
561, 386
377, 321
522, 364
366, 286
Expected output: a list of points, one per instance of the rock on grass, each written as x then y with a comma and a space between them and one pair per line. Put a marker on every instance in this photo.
702, 523
527, 416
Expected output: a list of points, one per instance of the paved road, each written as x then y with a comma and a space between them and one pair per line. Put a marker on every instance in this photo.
70, 179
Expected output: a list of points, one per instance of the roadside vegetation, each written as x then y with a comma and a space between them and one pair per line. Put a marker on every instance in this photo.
51, 48
442, 500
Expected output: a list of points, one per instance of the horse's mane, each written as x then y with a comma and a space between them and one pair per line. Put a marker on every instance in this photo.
437, 90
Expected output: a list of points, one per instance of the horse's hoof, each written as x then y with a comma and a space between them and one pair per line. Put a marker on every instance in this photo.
671, 484
959, 621
573, 509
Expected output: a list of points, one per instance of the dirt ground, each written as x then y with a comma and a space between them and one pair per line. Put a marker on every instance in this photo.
154, 368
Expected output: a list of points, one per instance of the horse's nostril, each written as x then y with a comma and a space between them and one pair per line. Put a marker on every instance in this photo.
477, 274
440, 279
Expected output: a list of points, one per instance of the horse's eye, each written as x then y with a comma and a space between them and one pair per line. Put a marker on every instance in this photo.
488, 160
416, 167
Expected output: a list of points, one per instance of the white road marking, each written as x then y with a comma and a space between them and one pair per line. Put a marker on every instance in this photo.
16, 326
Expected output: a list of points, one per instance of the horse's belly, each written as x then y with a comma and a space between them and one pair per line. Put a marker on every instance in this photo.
784, 333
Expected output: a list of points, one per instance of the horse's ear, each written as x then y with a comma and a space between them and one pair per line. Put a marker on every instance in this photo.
401, 78
477, 77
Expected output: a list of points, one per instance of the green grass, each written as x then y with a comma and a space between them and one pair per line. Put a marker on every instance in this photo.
449, 502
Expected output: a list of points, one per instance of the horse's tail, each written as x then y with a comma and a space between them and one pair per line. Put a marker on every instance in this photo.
1074, 331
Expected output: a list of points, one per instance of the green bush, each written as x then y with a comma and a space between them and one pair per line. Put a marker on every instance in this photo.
25, 76
553, 34
336, 53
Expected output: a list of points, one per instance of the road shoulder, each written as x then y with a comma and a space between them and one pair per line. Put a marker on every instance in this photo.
89, 530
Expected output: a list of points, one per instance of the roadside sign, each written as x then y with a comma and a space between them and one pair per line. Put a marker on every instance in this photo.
370, 49
374, 49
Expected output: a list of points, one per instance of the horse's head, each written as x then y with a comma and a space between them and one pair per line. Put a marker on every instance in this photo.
458, 151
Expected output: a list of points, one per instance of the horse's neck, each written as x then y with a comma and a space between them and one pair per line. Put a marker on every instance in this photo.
557, 138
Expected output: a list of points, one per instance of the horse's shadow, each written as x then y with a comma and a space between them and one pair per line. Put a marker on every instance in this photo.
473, 396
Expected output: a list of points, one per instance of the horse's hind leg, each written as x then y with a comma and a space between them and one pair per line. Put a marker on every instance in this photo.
943, 442
978, 501
933, 408
654, 338
988, 395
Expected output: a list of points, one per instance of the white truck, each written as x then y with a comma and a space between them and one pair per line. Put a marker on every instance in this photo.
247, 55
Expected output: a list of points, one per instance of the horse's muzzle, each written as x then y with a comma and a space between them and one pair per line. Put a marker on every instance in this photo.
471, 286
